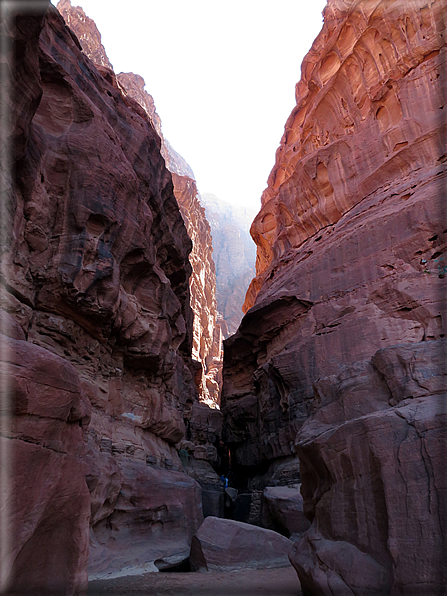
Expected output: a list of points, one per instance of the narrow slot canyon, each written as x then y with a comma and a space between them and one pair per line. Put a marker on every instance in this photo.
187, 412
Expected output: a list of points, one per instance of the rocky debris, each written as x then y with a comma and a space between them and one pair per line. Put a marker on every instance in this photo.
234, 254
338, 357
228, 545
207, 335
282, 510
95, 279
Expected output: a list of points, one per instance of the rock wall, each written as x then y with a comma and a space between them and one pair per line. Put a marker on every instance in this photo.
207, 340
338, 360
234, 254
95, 299
207, 333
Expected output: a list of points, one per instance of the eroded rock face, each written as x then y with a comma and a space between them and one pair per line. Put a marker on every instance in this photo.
95, 282
207, 332
207, 335
46, 499
86, 31
339, 357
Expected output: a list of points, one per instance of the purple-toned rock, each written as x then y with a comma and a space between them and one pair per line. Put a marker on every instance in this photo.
46, 500
95, 274
228, 545
282, 510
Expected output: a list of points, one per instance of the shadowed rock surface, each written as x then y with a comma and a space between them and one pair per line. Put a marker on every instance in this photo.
226, 545
340, 358
95, 292
207, 336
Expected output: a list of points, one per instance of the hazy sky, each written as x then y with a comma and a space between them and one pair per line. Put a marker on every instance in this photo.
222, 75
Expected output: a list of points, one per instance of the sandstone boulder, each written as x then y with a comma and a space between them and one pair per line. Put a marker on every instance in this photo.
228, 545
282, 510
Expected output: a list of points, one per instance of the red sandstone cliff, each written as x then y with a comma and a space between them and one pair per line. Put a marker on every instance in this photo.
207, 334
95, 299
339, 359
207, 340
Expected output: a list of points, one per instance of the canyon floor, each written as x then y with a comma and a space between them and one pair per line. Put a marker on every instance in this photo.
268, 582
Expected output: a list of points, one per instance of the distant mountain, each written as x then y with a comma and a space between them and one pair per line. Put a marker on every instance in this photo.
234, 255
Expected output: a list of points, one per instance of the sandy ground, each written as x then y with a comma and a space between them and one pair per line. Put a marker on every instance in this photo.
268, 582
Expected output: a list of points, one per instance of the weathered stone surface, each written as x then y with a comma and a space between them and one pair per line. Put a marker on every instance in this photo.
95, 274
368, 480
45, 500
154, 515
362, 87
282, 510
228, 545
234, 254
339, 358
212, 486
86, 31
207, 335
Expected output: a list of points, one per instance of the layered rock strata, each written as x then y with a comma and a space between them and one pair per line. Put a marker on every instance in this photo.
95, 298
339, 358
207, 340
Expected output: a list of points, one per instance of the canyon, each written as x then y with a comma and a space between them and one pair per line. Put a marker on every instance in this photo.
332, 390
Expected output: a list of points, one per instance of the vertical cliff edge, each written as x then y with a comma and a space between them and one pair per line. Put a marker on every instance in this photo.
97, 328
207, 339
339, 361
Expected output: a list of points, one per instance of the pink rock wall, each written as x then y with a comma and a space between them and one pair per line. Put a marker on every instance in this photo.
338, 360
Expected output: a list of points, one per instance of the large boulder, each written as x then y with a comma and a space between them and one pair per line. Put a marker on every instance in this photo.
282, 509
226, 545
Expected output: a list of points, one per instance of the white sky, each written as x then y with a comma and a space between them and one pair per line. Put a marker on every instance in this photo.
222, 75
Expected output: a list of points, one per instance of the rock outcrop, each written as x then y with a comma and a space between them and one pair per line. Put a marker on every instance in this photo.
339, 358
95, 298
207, 338
234, 254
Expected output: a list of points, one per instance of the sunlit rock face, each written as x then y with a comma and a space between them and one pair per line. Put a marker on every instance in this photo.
207, 335
95, 278
234, 254
86, 31
338, 359
358, 127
